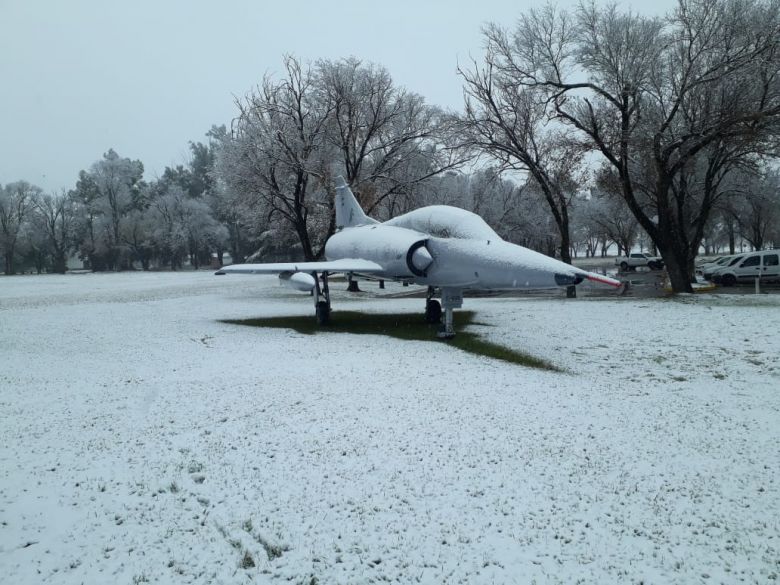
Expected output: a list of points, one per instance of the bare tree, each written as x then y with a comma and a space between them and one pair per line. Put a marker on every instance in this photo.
509, 123
615, 222
137, 235
55, 218
389, 141
756, 208
292, 135
654, 95
16, 200
277, 151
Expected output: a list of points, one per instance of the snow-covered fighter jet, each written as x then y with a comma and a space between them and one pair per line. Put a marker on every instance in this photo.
445, 248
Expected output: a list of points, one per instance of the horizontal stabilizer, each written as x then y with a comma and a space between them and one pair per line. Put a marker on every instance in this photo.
344, 265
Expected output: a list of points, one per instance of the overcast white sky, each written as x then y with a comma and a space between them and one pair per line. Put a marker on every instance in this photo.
144, 77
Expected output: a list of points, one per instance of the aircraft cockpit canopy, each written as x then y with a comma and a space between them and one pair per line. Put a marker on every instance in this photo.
443, 221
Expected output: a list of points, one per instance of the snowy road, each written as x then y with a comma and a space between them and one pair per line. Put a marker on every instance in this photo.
143, 440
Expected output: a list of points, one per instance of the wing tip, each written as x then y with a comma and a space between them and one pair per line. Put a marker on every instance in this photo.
604, 280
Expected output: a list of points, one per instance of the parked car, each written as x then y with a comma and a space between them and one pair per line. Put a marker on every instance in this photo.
764, 264
703, 262
714, 275
708, 268
632, 261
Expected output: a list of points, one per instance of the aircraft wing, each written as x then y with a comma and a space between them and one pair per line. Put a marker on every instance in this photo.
343, 265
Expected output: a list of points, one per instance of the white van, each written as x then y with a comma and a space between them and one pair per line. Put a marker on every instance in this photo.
764, 264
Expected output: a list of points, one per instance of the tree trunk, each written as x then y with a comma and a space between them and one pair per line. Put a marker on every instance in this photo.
60, 265
571, 291
303, 237
9, 261
678, 268
732, 239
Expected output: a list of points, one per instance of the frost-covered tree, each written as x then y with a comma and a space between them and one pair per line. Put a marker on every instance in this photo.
106, 194
755, 207
137, 235
118, 182
178, 227
85, 196
226, 206
16, 201
608, 210
656, 97
611, 220
585, 232
388, 143
238, 219
168, 232
276, 155
510, 124
295, 133
201, 166
503, 203
204, 232
54, 220
196, 178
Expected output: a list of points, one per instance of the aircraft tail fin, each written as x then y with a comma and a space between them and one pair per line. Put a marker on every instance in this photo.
348, 210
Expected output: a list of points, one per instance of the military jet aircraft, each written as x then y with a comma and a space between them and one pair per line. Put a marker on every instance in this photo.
445, 248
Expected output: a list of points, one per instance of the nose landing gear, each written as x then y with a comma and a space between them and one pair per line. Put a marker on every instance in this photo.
432, 307
451, 298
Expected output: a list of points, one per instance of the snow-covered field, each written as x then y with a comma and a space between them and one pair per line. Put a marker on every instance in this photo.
143, 440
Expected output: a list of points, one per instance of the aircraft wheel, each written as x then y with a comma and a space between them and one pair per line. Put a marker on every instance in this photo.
433, 312
323, 313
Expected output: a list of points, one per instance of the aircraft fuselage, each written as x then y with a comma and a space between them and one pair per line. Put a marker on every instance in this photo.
469, 263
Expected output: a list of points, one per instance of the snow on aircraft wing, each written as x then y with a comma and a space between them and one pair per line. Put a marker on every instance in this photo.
343, 265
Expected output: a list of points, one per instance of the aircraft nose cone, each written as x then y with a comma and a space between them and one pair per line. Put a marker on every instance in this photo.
422, 259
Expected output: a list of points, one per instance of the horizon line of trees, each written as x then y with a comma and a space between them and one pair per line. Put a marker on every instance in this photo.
581, 129
114, 220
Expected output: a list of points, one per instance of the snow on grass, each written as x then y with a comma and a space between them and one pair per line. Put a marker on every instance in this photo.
143, 439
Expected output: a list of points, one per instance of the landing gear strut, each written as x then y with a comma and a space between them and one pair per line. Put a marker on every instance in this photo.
353, 285
451, 298
321, 299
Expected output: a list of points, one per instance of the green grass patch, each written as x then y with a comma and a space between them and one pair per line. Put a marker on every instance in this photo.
406, 326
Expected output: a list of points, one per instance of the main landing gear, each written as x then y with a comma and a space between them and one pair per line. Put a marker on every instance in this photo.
451, 298
322, 299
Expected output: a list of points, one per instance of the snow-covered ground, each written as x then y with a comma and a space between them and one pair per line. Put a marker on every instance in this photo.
144, 440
